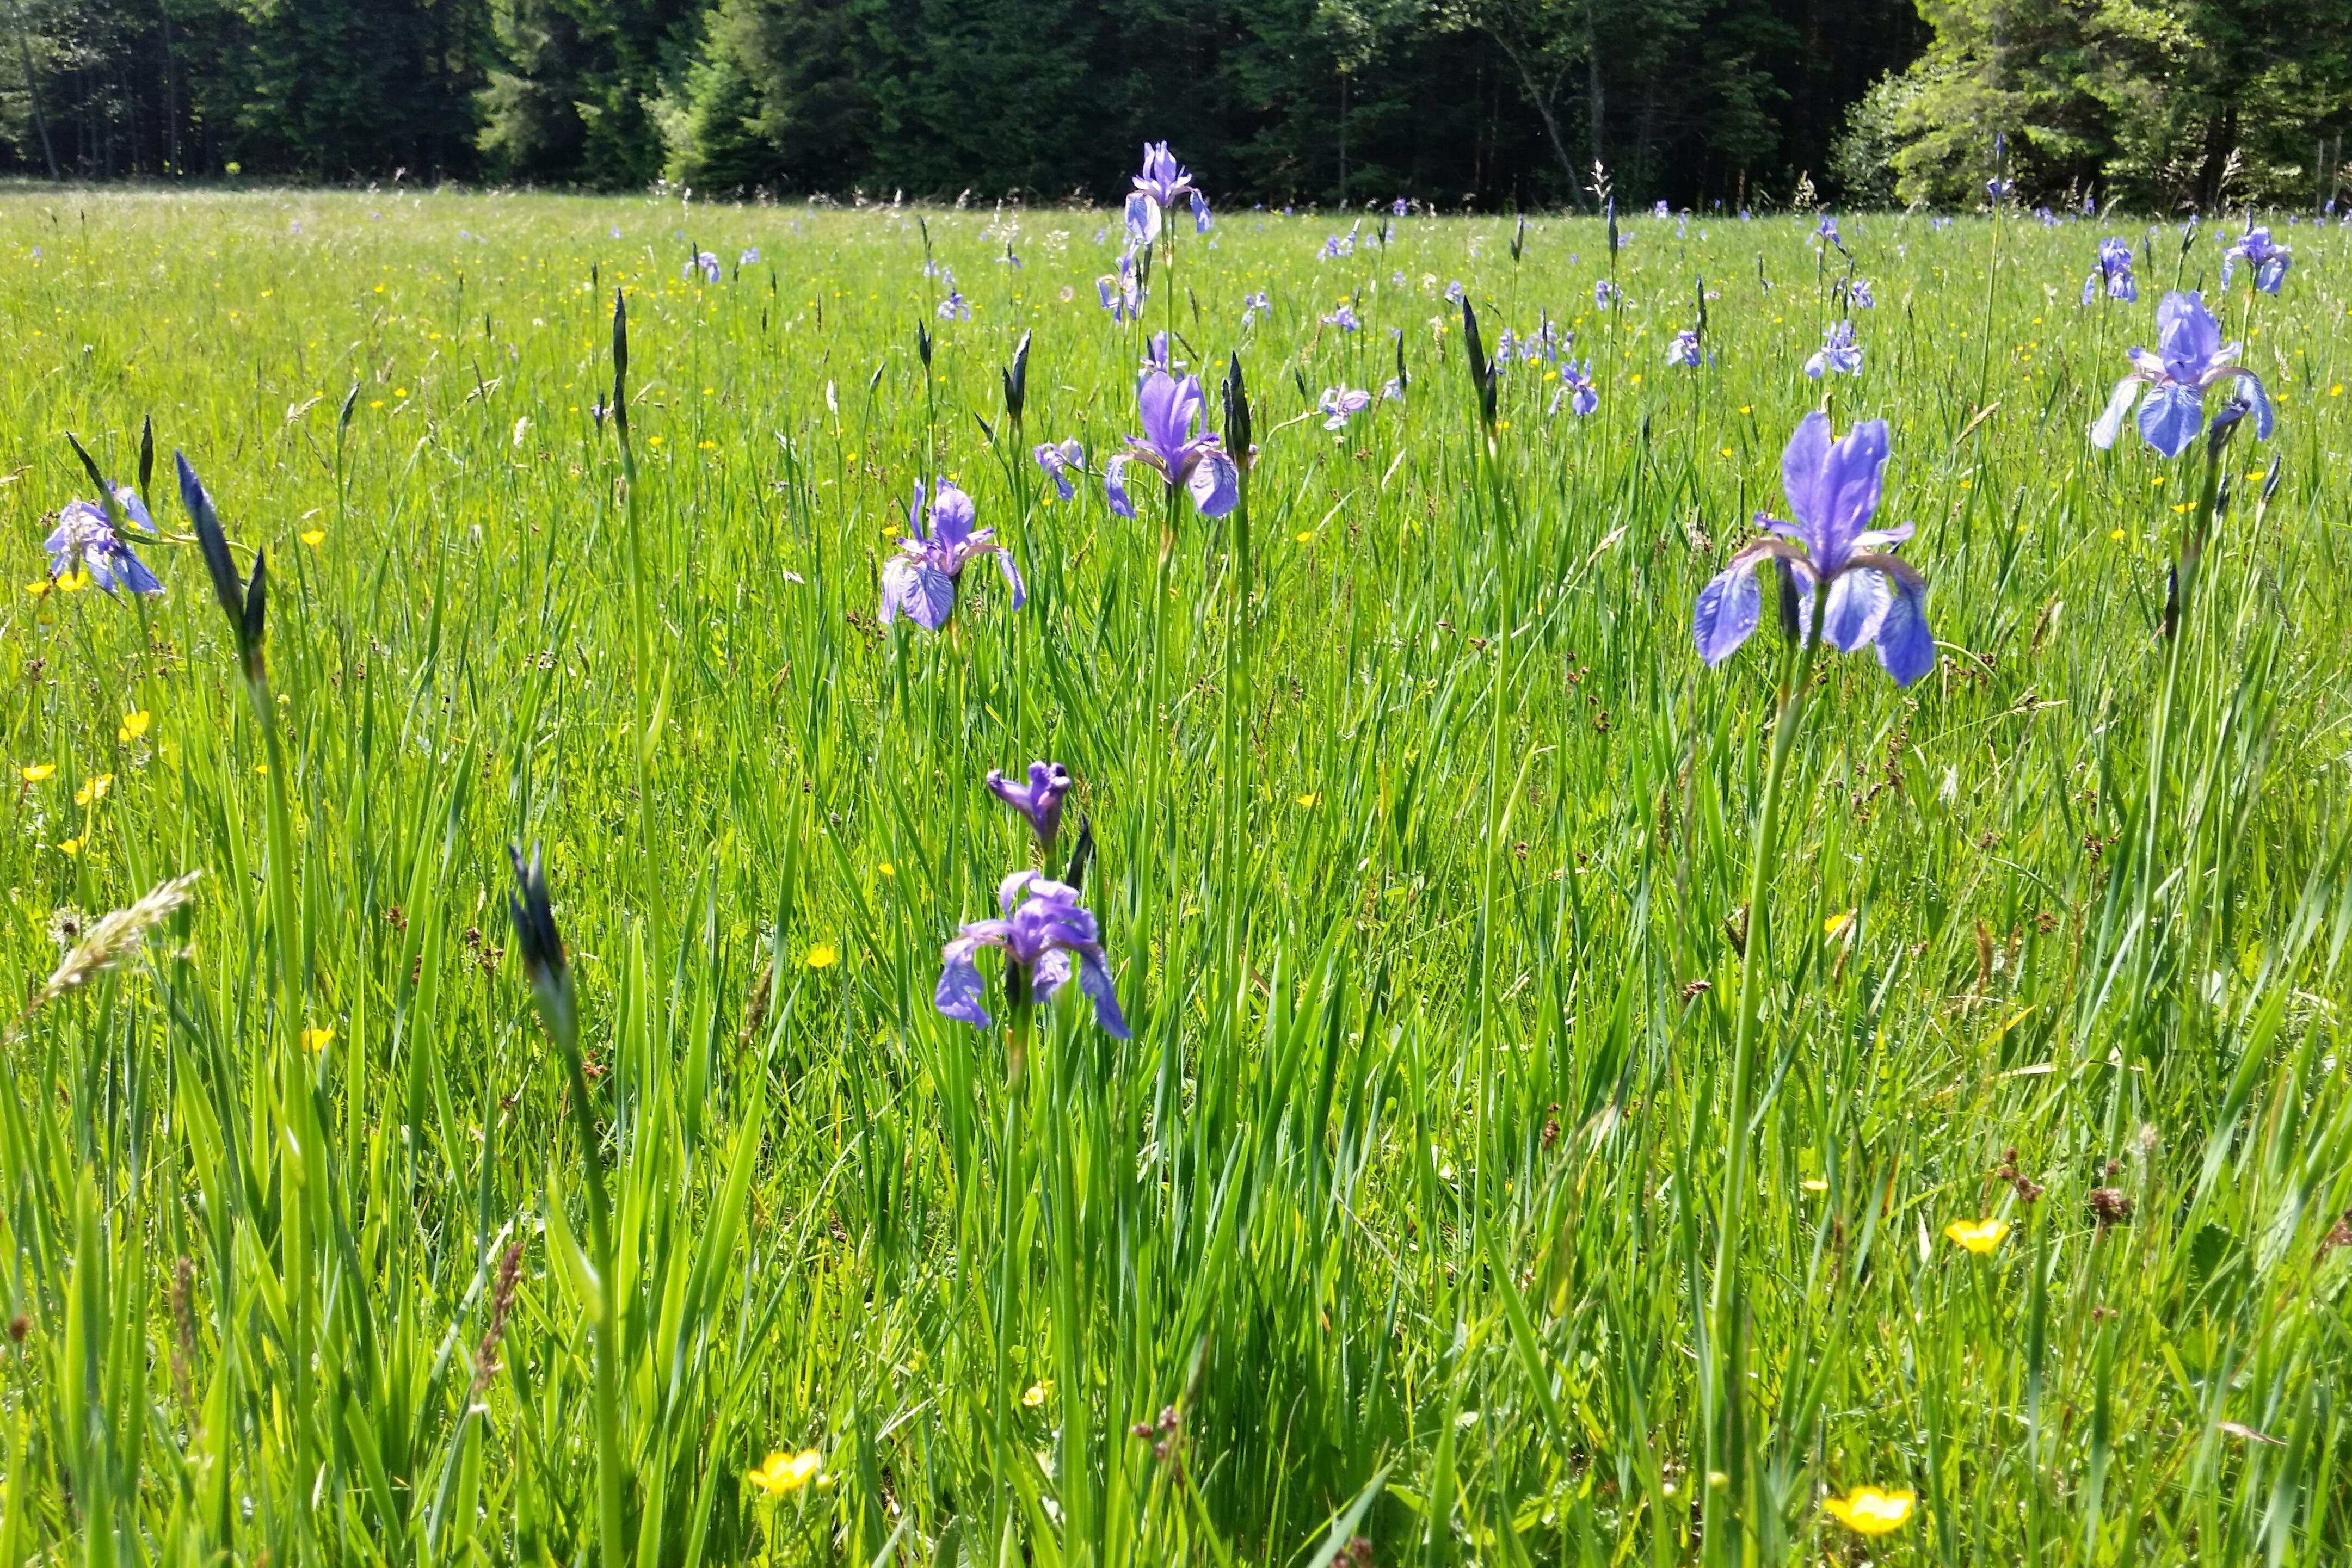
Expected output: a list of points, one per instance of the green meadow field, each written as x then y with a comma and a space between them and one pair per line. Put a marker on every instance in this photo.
1556, 1067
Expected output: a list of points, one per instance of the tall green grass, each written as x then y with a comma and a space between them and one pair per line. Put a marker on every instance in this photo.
1424, 867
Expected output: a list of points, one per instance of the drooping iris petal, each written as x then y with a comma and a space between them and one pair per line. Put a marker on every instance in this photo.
1004, 563
1142, 220
1115, 486
1215, 484
2249, 386
960, 988
2171, 417
1094, 980
1726, 611
1857, 605
1906, 649
2110, 423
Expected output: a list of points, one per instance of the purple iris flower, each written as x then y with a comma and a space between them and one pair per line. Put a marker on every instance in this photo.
1998, 190
1576, 386
1454, 292
1338, 402
1839, 353
1164, 180
1044, 931
1337, 245
83, 537
1662, 211
1200, 213
1155, 351
921, 579
749, 258
705, 263
2090, 205
1858, 294
1875, 596
1122, 292
1185, 455
1826, 231
2049, 219
1040, 799
1603, 292
2191, 358
953, 308
1400, 208
2255, 248
1684, 349
2114, 273
1344, 319
1252, 304
1060, 460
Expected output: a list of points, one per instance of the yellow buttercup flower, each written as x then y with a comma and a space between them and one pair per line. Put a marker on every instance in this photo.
1866, 1510
75, 582
317, 1038
94, 790
314, 538
1037, 1393
134, 725
782, 1472
40, 588
1834, 926
824, 956
72, 846
888, 869
1978, 1236
35, 772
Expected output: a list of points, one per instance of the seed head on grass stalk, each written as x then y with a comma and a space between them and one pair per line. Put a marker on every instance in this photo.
113, 938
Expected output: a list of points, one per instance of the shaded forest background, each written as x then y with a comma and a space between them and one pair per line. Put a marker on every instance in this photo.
2156, 104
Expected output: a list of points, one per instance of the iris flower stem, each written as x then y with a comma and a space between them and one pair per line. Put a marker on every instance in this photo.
1238, 697
612, 1529
1727, 1307
2187, 560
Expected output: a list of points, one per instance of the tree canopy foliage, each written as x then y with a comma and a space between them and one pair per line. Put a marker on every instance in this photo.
1491, 102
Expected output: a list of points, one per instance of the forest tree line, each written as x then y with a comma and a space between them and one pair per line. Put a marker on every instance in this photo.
2157, 104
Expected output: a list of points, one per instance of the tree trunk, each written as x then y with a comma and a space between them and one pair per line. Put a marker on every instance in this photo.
33, 92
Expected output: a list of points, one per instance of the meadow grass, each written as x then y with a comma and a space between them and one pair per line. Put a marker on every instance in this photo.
1423, 864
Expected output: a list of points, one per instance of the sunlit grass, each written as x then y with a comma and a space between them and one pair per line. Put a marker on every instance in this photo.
1396, 1219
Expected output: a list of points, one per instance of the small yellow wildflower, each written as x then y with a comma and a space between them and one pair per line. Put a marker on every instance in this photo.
314, 538
1311, 801
824, 956
133, 726
887, 868
35, 772
1866, 1510
74, 582
781, 1473
2117, 536
1978, 1236
72, 846
1037, 1393
2336, 390
93, 788
1834, 926
1307, 536
38, 589
317, 1038
1814, 1184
